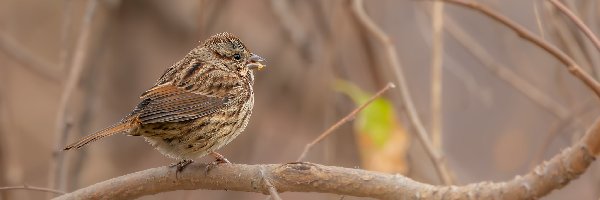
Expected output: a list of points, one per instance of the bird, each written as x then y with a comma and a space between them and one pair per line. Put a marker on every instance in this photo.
199, 104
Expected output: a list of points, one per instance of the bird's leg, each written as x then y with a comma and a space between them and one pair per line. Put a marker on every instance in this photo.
181, 164
219, 159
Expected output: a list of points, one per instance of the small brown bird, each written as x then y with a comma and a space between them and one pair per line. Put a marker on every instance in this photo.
197, 106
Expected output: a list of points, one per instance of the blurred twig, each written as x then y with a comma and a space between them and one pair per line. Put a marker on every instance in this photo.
437, 55
3, 134
56, 172
30, 61
584, 28
538, 19
210, 15
291, 24
568, 39
504, 72
346, 118
91, 97
26, 187
90, 90
66, 24
556, 128
527, 35
435, 155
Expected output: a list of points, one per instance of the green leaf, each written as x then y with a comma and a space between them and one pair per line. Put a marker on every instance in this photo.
376, 120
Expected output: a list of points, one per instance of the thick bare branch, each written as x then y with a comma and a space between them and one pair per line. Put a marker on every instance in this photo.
309, 177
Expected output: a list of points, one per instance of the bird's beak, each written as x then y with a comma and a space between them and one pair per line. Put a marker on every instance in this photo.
255, 62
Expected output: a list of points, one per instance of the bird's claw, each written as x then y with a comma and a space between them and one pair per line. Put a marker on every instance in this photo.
219, 159
181, 165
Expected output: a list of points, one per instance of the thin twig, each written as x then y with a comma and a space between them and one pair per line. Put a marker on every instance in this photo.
272, 190
558, 127
437, 54
56, 171
538, 19
66, 24
342, 121
91, 97
586, 30
436, 156
568, 38
590, 48
3, 133
504, 72
290, 23
26, 187
36, 64
571, 65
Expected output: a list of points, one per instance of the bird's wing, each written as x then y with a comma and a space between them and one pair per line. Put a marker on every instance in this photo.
168, 103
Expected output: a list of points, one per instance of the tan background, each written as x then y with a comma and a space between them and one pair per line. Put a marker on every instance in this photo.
491, 130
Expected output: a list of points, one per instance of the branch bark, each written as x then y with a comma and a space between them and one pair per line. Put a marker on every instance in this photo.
309, 177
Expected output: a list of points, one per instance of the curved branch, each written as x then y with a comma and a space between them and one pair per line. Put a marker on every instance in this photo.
571, 65
309, 177
297, 177
580, 24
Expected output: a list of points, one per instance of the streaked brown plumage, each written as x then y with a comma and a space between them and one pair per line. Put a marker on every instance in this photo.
198, 105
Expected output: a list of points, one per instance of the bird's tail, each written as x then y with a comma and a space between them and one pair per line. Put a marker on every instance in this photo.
117, 128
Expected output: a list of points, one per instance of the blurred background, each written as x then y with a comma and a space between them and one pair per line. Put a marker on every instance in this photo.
506, 105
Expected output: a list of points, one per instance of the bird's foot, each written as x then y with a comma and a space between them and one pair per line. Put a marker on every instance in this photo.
181, 165
219, 159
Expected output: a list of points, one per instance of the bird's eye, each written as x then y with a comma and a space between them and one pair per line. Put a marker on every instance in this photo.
237, 56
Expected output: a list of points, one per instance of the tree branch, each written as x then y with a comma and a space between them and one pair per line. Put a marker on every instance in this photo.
297, 177
571, 65
57, 178
309, 177
584, 28
504, 72
347, 118
435, 155
437, 57
34, 63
